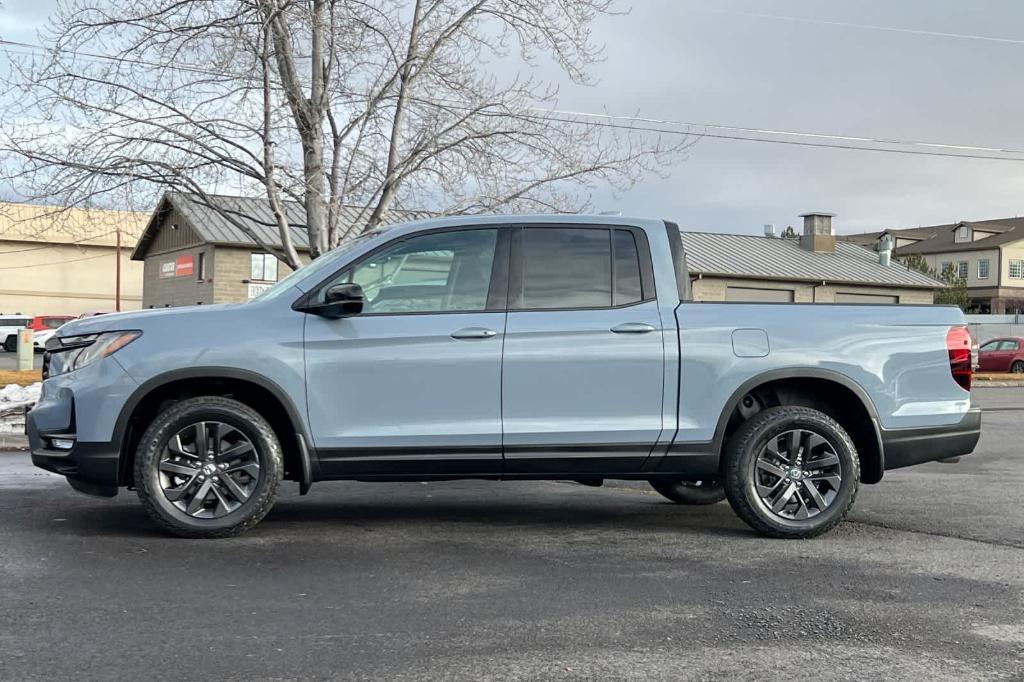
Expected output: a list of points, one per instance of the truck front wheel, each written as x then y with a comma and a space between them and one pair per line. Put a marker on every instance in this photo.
791, 472
705, 491
208, 467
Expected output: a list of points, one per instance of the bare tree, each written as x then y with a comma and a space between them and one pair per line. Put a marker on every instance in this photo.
372, 104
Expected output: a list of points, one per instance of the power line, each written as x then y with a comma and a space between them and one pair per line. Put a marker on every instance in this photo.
792, 133
78, 242
872, 27
64, 262
797, 143
847, 142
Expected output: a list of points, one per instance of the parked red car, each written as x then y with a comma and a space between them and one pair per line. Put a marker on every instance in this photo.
41, 322
1002, 355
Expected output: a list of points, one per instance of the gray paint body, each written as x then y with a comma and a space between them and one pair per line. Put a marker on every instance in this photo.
550, 385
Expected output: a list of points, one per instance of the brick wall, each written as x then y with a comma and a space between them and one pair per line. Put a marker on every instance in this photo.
234, 269
164, 292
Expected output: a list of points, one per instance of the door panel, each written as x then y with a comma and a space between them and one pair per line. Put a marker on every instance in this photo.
399, 394
578, 397
411, 386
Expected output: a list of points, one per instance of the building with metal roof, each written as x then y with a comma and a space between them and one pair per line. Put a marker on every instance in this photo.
987, 254
814, 268
193, 253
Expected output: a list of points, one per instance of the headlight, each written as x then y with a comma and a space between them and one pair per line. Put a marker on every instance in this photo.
75, 352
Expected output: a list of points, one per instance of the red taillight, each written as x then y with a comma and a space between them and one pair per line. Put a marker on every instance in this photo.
958, 344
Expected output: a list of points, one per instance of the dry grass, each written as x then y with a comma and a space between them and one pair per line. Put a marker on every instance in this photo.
9, 376
998, 376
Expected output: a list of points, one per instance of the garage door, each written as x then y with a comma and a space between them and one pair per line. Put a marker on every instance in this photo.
755, 295
865, 298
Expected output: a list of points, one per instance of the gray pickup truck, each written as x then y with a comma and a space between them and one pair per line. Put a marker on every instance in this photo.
542, 347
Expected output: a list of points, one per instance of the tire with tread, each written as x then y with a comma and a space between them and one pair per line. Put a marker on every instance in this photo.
741, 453
208, 408
1017, 367
690, 492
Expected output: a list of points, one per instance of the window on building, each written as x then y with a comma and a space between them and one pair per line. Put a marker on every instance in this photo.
263, 267
983, 268
945, 267
201, 266
963, 234
963, 269
1016, 268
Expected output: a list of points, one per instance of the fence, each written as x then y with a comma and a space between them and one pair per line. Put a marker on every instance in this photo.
985, 327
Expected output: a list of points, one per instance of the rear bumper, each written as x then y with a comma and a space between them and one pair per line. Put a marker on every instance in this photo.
907, 447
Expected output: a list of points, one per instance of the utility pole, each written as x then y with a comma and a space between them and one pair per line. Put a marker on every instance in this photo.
117, 276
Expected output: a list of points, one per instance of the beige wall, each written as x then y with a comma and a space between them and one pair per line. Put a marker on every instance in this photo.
1013, 251
715, 289
972, 257
63, 279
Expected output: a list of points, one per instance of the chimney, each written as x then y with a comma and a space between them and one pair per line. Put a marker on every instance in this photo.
818, 235
885, 244
769, 230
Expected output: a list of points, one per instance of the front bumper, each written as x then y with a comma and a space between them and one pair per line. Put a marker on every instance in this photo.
82, 406
907, 447
89, 467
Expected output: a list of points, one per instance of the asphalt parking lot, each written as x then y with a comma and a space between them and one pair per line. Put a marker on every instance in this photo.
10, 360
539, 580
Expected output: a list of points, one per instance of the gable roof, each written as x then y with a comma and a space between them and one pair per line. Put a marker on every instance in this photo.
68, 225
255, 213
941, 238
738, 255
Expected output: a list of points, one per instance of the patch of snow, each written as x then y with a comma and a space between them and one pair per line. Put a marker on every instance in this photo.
14, 400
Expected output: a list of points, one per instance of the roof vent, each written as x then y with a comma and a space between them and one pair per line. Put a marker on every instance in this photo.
885, 244
769, 230
818, 235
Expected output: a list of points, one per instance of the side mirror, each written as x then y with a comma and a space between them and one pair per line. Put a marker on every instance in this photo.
343, 299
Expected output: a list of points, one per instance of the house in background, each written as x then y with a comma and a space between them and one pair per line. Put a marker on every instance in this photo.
56, 260
192, 255
814, 268
988, 255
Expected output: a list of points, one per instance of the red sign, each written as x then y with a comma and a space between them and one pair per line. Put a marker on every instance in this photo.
183, 266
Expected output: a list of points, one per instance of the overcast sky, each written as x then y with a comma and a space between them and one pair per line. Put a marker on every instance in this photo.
713, 62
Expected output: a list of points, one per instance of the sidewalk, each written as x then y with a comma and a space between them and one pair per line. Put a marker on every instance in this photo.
13, 442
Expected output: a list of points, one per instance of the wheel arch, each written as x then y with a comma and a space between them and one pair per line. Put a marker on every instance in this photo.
831, 392
250, 388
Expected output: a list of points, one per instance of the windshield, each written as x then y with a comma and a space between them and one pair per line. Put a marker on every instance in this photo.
325, 262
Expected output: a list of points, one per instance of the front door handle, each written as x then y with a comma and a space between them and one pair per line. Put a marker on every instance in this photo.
633, 328
473, 333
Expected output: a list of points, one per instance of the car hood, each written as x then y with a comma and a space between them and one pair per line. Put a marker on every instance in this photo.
138, 319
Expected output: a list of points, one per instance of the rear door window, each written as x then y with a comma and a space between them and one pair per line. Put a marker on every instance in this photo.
1009, 345
628, 285
565, 268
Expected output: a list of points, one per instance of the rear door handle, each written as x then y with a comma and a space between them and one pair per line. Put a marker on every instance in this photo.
473, 333
633, 328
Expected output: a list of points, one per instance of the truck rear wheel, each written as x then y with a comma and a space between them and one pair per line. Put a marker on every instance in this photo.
208, 467
791, 472
705, 491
